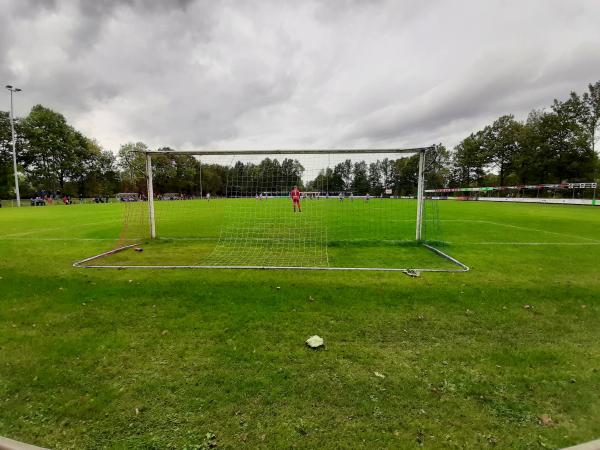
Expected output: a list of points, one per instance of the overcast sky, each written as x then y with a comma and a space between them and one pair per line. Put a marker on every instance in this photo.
266, 74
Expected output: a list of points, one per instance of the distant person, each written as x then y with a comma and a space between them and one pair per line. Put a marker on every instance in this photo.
367, 197
341, 197
208, 196
295, 194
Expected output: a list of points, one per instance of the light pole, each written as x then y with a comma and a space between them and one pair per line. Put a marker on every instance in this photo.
14, 142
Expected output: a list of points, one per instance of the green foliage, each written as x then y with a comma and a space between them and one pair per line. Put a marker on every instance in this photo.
501, 141
591, 101
360, 180
133, 166
343, 175
405, 173
53, 149
470, 160
6, 164
550, 147
437, 167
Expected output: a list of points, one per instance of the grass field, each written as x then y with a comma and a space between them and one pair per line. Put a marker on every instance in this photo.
266, 233
189, 359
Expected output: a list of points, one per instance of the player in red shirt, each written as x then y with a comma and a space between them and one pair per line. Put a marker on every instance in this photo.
295, 194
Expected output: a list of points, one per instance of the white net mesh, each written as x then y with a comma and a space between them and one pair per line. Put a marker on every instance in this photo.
263, 224
354, 210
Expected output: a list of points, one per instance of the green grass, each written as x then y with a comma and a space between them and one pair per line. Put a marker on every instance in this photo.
158, 359
248, 232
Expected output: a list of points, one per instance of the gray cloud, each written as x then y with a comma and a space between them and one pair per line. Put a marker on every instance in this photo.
198, 73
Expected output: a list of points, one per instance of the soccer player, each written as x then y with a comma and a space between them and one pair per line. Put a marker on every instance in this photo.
295, 194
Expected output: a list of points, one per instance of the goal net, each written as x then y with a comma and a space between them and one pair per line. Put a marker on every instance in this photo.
127, 197
338, 209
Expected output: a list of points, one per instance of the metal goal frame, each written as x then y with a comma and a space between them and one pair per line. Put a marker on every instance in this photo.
91, 261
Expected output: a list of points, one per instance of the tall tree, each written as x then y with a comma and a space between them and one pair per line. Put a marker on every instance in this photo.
6, 166
555, 148
327, 181
291, 173
501, 143
376, 179
592, 101
437, 167
405, 175
214, 179
360, 179
343, 172
101, 175
132, 164
54, 154
470, 160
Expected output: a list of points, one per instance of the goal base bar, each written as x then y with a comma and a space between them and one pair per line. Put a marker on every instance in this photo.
84, 264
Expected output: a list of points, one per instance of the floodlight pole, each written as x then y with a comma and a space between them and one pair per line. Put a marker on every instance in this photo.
420, 194
150, 184
14, 142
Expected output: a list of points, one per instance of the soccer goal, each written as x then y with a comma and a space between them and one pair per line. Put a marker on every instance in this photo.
127, 197
346, 209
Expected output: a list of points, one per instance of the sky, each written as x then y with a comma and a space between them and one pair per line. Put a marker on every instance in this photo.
207, 74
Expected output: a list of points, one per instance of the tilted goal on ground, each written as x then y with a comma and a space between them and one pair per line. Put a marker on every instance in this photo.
357, 210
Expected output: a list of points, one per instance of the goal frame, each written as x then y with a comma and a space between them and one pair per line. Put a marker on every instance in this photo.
148, 154
420, 183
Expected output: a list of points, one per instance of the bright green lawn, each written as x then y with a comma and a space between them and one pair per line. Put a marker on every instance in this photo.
249, 232
158, 359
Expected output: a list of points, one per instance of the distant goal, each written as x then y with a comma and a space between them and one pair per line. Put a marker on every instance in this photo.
127, 197
347, 209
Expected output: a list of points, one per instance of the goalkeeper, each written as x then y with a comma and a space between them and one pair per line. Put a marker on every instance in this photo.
295, 194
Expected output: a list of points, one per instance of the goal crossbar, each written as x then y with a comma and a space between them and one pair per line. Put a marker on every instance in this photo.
287, 151
415, 150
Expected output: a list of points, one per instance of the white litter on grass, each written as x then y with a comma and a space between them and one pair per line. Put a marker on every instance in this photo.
314, 341
380, 375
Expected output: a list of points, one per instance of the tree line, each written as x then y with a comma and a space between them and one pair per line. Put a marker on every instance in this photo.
552, 145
